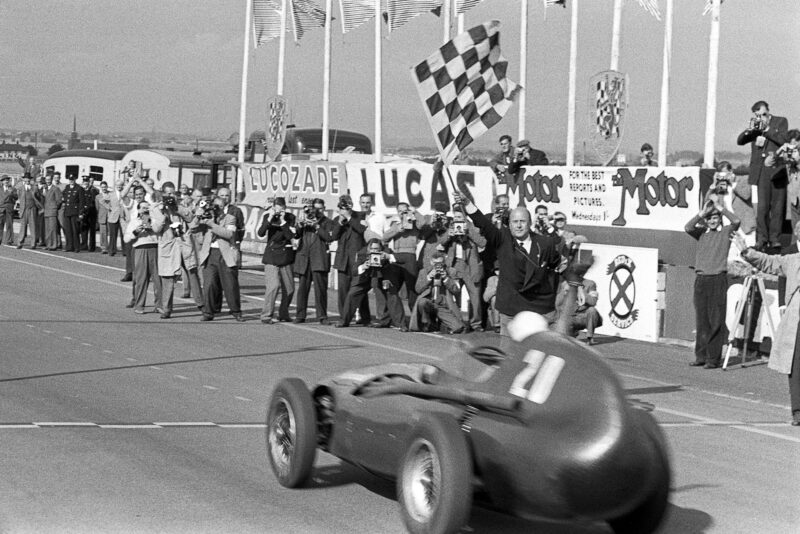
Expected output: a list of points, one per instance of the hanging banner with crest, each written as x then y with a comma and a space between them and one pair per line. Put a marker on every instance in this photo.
608, 103
278, 108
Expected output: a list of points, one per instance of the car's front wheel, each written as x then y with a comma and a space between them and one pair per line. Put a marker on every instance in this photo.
434, 485
291, 433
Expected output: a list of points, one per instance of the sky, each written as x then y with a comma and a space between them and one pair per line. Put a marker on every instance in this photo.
176, 65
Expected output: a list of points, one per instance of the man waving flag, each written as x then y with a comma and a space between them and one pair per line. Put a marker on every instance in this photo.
464, 88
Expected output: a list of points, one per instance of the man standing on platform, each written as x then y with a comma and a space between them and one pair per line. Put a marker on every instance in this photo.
711, 282
766, 133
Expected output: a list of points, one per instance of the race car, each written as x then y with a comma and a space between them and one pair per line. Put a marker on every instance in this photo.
538, 428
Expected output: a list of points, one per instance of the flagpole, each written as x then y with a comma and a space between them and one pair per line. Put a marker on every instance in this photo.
573, 61
243, 100
378, 149
616, 30
460, 23
666, 67
326, 82
523, 67
711, 101
446, 20
282, 47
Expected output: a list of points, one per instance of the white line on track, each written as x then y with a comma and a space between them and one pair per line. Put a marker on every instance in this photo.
738, 425
245, 399
62, 271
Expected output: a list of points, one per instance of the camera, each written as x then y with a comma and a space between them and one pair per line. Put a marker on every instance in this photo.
170, 202
177, 228
458, 228
345, 203
439, 271
721, 183
438, 221
407, 221
209, 209
375, 259
311, 213
541, 224
502, 214
758, 123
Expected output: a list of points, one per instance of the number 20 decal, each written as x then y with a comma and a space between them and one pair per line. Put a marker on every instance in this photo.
536, 381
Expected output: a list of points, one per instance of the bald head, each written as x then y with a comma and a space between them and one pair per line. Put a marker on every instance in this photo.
519, 222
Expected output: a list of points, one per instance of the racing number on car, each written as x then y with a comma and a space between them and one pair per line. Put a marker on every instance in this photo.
536, 381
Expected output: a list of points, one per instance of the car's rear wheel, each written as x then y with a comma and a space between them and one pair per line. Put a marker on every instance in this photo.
434, 485
647, 517
291, 433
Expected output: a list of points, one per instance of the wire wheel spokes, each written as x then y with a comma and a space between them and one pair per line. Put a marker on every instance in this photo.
283, 436
423, 480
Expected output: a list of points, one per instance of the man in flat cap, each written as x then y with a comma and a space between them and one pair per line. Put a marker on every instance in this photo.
525, 155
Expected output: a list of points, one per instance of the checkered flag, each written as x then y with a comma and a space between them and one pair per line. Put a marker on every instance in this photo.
464, 88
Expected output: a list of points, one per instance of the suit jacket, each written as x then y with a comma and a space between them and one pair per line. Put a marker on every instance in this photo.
116, 212
527, 280
30, 200
313, 252
278, 250
7, 198
89, 206
74, 197
175, 246
349, 237
226, 237
472, 266
101, 205
52, 201
775, 138
537, 157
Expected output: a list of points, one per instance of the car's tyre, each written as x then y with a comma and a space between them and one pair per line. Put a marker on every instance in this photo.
434, 484
291, 433
647, 517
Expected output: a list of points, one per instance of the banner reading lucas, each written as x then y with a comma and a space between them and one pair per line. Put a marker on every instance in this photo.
654, 198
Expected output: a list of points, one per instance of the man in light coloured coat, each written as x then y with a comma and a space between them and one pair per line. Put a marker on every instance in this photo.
784, 356
52, 203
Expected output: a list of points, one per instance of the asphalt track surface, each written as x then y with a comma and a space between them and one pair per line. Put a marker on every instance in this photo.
116, 422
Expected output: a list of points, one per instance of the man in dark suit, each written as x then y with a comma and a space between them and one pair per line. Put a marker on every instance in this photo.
30, 202
501, 161
312, 261
8, 197
278, 226
52, 202
766, 133
348, 231
74, 200
89, 226
528, 263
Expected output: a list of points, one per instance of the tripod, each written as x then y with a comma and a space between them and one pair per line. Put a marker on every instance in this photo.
744, 310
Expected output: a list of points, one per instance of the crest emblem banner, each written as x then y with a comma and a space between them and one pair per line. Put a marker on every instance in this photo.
278, 108
608, 102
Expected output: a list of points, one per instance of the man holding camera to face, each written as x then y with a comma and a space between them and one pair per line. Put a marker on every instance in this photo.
766, 133
145, 254
436, 309
176, 251
278, 226
462, 255
524, 156
403, 235
374, 268
312, 261
348, 231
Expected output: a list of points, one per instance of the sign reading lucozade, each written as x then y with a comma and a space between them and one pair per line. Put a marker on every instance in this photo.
417, 184
297, 181
626, 279
654, 198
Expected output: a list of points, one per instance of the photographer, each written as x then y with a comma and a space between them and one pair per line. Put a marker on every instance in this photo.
434, 232
312, 261
525, 156
646, 156
145, 255
528, 263
436, 309
278, 226
216, 226
403, 236
788, 156
348, 231
374, 268
766, 133
176, 251
543, 224
501, 161
462, 255
711, 282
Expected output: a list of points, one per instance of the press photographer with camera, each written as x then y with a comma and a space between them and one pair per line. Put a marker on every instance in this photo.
176, 252
711, 281
529, 263
436, 309
462, 254
144, 240
788, 157
646, 156
403, 236
434, 232
312, 261
348, 231
766, 133
524, 156
543, 223
216, 228
502, 160
374, 269
278, 226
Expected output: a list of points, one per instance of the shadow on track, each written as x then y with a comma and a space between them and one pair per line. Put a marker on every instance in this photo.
193, 360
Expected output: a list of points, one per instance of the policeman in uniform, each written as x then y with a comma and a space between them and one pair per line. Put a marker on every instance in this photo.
74, 197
